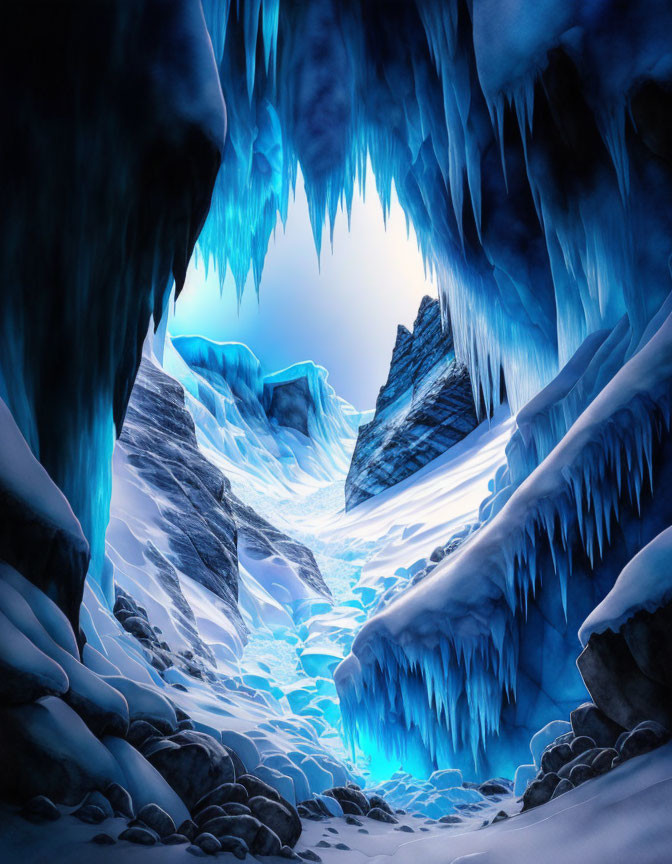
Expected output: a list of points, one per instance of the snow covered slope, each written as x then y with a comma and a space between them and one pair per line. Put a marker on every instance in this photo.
280, 431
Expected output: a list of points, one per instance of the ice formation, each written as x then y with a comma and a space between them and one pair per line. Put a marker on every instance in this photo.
280, 430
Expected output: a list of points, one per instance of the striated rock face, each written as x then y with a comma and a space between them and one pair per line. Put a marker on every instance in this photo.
425, 407
173, 515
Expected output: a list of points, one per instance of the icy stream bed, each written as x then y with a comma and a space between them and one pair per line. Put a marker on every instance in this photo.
365, 556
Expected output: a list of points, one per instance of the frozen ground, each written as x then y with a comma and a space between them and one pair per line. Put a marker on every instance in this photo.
619, 818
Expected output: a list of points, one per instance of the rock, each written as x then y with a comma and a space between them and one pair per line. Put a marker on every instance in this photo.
244, 827
144, 783
540, 791
379, 802
157, 819
188, 828
139, 731
278, 818
40, 809
603, 761
580, 773
585, 758
405, 435
406, 828
492, 787
350, 795
309, 855
351, 809
120, 800
555, 757
135, 834
451, 820
101, 801
90, 813
209, 844
223, 794
381, 816
103, 840
26, 672
266, 842
644, 737
618, 686
351, 820
254, 786
145, 703
232, 808
176, 839
197, 852
563, 786
290, 854
588, 720
195, 767
235, 845
211, 812
582, 745
47, 749
138, 627
501, 815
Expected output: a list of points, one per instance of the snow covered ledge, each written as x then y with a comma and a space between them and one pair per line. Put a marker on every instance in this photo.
447, 662
627, 656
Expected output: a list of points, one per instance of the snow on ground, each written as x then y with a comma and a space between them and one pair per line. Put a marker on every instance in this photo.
619, 818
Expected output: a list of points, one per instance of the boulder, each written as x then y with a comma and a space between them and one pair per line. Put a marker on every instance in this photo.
588, 720
139, 731
40, 809
581, 745
604, 759
553, 758
120, 800
540, 791
492, 787
195, 767
143, 781
136, 834
580, 773
47, 749
188, 828
235, 845
243, 827
209, 844
26, 673
644, 737
381, 816
223, 794
103, 840
97, 799
379, 802
349, 795
278, 818
254, 786
563, 786
145, 703
90, 814
157, 819
618, 686
175, 840
266, 842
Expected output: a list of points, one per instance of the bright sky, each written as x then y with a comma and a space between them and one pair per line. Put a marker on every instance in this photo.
343, 317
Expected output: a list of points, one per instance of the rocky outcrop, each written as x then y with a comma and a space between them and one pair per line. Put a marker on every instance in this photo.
425, 407
178, 514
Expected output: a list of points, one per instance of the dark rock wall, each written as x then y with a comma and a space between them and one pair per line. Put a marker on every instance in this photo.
424, 408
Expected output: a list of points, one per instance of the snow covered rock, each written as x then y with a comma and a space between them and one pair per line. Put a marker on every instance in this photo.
425, 407
40, 535
46, 749
627, 656
143, 782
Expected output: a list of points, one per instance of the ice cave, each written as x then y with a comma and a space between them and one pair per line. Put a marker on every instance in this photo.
329, 536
